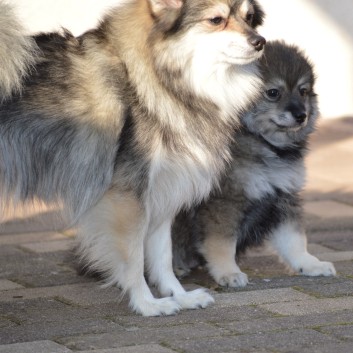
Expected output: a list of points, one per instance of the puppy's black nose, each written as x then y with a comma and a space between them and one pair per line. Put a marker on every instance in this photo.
257, 41
299, 117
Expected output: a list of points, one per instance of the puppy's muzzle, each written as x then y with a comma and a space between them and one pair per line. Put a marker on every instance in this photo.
257, 41
298, 111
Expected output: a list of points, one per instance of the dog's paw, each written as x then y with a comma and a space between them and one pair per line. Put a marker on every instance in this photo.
236, 279
309, 265
157, 307
195, 299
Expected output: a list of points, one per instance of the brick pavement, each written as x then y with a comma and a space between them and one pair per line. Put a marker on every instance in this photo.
46, 307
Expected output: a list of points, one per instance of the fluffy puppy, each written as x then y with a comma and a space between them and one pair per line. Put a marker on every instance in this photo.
259, 198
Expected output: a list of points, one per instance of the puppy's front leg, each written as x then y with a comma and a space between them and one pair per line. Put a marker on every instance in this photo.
291, 244
111, 241
158, 245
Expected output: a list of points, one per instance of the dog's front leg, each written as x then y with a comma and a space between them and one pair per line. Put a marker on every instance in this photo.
158, 245
291, 244
111, 238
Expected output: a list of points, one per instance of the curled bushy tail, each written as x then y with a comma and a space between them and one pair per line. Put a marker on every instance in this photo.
17, 52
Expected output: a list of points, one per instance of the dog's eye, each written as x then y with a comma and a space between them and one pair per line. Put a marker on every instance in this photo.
303, 92
249, 18
216, 20
273, 94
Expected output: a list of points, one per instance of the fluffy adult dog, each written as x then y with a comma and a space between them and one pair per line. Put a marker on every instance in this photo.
259, 197
127, 124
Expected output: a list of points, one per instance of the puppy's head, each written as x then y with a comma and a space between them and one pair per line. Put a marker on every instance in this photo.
287, 110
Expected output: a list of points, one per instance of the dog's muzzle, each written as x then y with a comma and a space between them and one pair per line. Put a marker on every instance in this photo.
257, 41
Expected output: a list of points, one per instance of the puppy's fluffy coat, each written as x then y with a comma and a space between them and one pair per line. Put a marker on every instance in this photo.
259, 197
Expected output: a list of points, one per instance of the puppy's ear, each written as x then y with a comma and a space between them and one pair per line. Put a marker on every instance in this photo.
259, 15
165, 12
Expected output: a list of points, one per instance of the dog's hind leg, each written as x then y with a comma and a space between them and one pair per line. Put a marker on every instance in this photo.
291, 244
159, 261
111, 238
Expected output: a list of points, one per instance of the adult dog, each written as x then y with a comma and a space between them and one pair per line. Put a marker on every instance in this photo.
127, 124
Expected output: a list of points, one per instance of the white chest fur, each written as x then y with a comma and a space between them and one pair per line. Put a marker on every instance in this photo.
178, 180
259, 180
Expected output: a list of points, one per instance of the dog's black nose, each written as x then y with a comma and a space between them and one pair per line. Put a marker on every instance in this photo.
257, 41
299, 117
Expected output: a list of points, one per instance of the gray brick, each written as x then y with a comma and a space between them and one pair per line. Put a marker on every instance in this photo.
329, 290
310, 306
34, 347
49, 246
260, 297
277, 341
326, 348
140, 336
8, 285
336, 256
343, 332
30, 237
146, 348
52, 329
268, 324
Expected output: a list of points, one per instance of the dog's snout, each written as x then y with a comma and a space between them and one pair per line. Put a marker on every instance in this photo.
257, 41
298, 112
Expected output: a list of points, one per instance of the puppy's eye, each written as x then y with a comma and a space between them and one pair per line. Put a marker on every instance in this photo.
273, 94
303, 92
216, 20
249, 18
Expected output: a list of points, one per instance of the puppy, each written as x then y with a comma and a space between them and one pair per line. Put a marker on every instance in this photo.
259, 197
127, 124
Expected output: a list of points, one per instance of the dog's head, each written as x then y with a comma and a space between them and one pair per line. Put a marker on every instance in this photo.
287, 111
202, 40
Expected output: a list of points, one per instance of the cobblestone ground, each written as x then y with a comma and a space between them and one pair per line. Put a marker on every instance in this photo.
46, 307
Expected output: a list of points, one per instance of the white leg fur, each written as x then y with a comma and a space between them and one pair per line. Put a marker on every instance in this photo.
220, 255
111, 240
291, 245
159, 261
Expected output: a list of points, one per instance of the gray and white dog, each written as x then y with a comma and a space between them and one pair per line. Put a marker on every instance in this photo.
259, 197
126, 125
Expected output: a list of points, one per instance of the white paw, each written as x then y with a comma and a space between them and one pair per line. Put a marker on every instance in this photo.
309, 265
157, 307
195, 299
237, 279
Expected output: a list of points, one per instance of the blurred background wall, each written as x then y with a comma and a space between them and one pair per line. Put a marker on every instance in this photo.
323, 28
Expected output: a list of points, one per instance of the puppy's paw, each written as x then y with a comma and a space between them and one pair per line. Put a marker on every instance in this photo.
195, 299
157, 307
319, 268
236, 279
309, 265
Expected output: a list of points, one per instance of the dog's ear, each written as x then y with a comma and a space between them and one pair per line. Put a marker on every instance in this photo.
158, 6
165, 12
259, 15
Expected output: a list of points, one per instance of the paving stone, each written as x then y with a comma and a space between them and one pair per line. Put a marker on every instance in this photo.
326, 348
311, 306
51, 330
146, 348
80, 294
336, 256
49, 246
328, 209
8, 285
316, 249
260, 297
30, 237
280, 323
341, 241
343, 332
329, 290
34, 347
141, 336
272, 341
